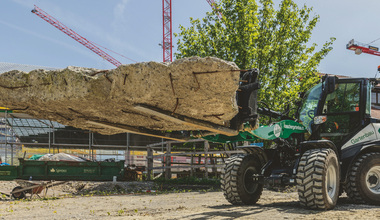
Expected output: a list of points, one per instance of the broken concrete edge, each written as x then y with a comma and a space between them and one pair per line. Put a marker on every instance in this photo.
203, 89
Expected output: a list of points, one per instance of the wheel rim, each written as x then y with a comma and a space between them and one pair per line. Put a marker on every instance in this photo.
249, 185
331, 182
373, 179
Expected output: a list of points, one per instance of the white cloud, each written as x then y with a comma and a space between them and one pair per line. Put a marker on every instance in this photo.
27, 31
24, 3
93, 32
119, 21
119, 10
119, 25
114, 39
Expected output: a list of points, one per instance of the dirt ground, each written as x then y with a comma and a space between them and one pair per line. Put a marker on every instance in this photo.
70, 202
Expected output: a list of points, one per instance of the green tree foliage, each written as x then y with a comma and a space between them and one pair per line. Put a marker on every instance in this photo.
257, 34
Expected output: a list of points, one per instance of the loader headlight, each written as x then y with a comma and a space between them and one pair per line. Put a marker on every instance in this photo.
320, 119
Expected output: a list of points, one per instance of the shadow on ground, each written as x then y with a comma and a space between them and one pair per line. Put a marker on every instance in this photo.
288, 207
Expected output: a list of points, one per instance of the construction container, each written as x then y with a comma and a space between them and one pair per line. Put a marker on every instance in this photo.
63, 170
8, 172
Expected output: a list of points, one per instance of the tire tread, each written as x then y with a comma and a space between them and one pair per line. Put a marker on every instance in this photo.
229, 181
351, 186
310, 178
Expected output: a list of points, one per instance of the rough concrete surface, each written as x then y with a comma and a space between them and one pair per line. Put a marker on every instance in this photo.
75, 95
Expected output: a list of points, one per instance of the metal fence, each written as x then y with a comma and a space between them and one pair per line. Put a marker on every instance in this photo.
202, 160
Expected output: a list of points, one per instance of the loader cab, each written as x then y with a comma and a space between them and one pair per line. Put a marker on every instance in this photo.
336, 109
345, 108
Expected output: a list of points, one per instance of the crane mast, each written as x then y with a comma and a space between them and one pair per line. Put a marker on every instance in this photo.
51, 20
167, 43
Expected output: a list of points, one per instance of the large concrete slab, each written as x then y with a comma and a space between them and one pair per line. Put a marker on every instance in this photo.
196, 88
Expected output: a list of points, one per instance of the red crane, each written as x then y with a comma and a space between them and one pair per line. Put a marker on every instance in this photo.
362, 48
167, 43
42, 14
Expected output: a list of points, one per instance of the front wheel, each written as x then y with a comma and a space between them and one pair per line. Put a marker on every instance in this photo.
318, 179
19, 195
363, 182
238, 183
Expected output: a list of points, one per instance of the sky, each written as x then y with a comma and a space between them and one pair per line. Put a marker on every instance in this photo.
133, 28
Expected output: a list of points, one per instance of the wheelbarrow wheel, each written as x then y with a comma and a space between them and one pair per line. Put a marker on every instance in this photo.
19, 195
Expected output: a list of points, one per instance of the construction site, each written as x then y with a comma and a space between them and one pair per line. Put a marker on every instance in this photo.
197, 137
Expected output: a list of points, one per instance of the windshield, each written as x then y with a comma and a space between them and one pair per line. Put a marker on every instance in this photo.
309, 106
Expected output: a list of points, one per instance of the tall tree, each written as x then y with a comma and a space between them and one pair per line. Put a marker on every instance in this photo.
256, 34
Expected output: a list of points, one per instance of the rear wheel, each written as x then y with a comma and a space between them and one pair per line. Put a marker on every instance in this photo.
363, 185
318, 179
237, 183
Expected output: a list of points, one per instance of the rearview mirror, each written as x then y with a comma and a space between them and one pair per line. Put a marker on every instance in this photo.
330, 83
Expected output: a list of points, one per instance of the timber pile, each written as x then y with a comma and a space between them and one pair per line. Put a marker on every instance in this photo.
135, 97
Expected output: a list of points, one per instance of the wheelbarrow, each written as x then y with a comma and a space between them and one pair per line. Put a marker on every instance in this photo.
33, 188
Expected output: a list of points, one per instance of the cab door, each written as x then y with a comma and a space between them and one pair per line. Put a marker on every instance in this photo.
344, 108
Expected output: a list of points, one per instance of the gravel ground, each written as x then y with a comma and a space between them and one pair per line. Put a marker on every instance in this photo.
184, 205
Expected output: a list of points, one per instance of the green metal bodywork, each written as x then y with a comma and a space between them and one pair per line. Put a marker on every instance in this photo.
63, 170
282, 129
8, 172
220, 138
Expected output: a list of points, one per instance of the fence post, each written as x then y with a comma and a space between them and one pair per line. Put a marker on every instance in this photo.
213, 162
207, 146
150, 162
191, 164
168, 160
11, 154
128, 152
192, 161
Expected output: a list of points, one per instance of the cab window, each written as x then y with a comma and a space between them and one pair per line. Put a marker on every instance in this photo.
345, 98
342, 110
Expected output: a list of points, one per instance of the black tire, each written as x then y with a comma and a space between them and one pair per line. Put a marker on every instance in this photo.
363, 182
237, 182
318, 179
19, 195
